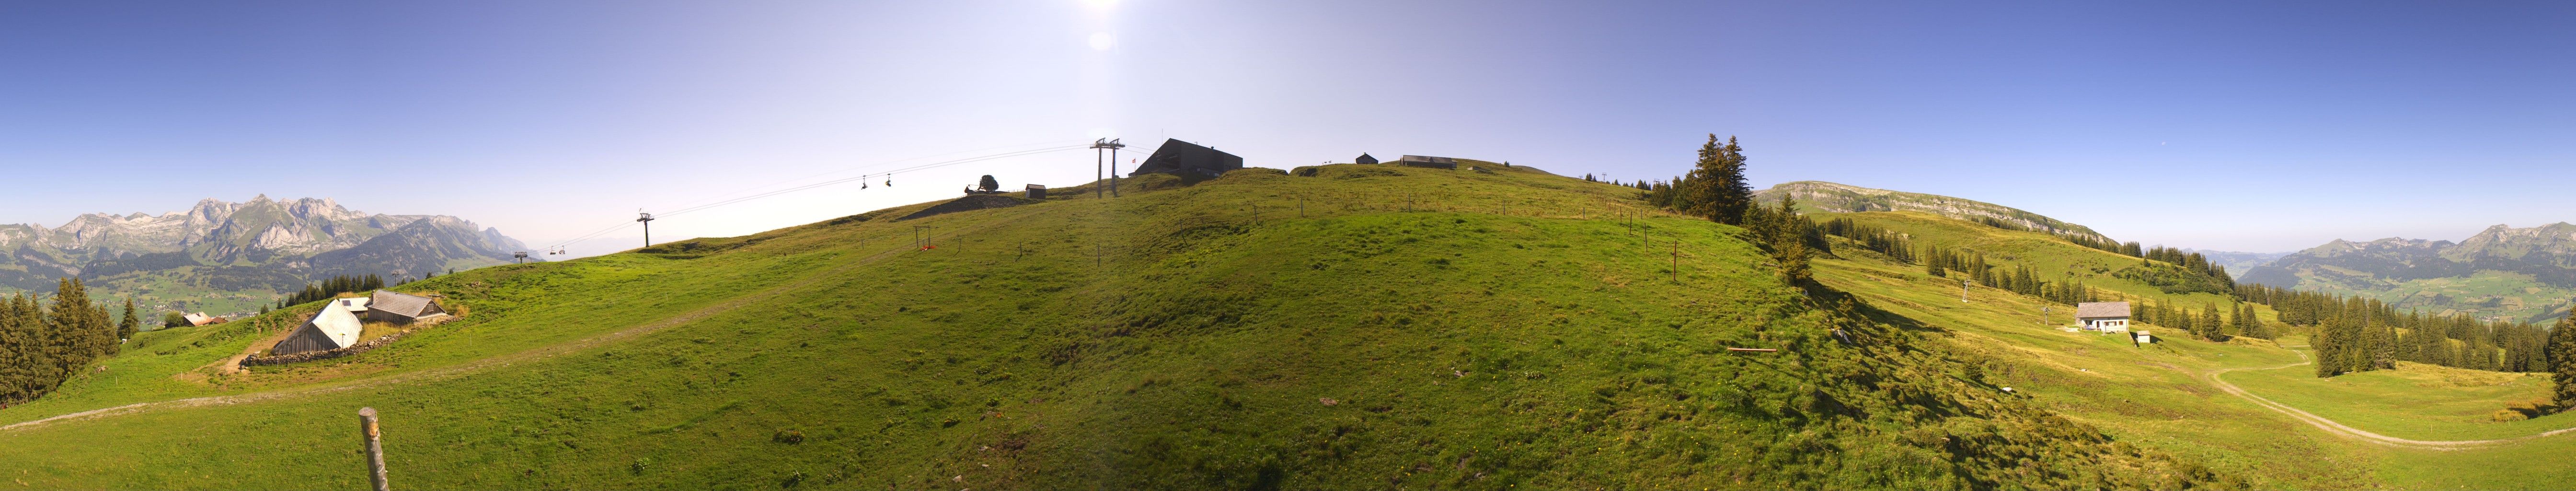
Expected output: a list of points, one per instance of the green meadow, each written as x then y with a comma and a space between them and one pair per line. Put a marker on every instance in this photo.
1326, 327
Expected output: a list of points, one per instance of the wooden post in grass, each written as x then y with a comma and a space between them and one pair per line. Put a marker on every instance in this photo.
375, 446
1677, 260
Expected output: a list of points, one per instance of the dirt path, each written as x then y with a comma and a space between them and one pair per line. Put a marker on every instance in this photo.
452, 371
2330, 426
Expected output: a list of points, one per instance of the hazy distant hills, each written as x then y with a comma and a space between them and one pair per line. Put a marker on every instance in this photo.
1833, 197
2522, 273
2239, 263
223, 256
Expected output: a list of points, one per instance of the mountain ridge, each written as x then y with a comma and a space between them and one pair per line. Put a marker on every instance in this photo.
1838, 198
2527, 273
241, 250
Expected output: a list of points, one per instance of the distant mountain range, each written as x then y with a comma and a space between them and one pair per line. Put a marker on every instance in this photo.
1821, 196
222, 256
2519, 273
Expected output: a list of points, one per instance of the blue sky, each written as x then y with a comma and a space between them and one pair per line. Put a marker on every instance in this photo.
2261, 126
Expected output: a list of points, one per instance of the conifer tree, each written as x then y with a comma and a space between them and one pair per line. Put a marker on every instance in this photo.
126, 327
16, 358
1715, 188
1791, 241
2329, 352
2561, 358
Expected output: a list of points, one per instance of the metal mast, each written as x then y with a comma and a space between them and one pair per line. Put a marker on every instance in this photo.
647, 220
1112, 145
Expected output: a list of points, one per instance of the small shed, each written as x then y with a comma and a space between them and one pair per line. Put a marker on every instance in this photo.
2103, 316
1037, 191
332, 328
1431, 162
400, 308
1365, 159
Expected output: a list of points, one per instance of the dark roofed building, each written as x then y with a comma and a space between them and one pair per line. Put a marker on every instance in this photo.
1432, 162
1364, 159
385, 306
1180, 157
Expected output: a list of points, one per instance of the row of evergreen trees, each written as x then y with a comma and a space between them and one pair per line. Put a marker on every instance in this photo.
2194, 262
324, 290
2209, 322
42, 344
2356, 334
1895, 245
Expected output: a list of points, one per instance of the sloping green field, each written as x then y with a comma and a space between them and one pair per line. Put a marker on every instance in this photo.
1337, 327
2156, 396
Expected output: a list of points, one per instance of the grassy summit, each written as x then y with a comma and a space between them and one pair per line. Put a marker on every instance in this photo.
1410, 328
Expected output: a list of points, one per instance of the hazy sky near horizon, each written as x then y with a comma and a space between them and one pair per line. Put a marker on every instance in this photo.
2252, 126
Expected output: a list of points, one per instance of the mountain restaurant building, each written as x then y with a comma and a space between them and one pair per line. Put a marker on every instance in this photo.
2103, 316
1182, 158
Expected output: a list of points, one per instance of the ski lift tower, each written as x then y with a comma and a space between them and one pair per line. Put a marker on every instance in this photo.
647, 220
1112, 145
519, 257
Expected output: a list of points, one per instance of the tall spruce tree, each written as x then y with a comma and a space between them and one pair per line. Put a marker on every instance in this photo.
1715, 188
1790, 241
17, 354
127, 326
2328, 350
2562, 360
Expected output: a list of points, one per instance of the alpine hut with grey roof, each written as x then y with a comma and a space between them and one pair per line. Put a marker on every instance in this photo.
2103, 316
399, 308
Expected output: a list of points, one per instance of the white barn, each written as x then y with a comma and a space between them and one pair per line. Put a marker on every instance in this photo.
332, 328
2103, 316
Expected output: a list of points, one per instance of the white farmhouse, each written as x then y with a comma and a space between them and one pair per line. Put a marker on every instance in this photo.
2103, 316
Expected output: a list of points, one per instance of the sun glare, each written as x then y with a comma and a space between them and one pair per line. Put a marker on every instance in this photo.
1100, 4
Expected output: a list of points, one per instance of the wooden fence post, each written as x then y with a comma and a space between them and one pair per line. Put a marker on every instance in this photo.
375, 447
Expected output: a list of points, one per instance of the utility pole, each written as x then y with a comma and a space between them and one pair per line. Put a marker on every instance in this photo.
1112, 146
375, 446
647, 220
1963, 290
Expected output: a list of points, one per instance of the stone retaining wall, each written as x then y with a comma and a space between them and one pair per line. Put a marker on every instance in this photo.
361, 347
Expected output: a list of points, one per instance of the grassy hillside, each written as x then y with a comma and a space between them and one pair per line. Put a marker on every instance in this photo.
2159, 397
1512, 329
1329, 327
